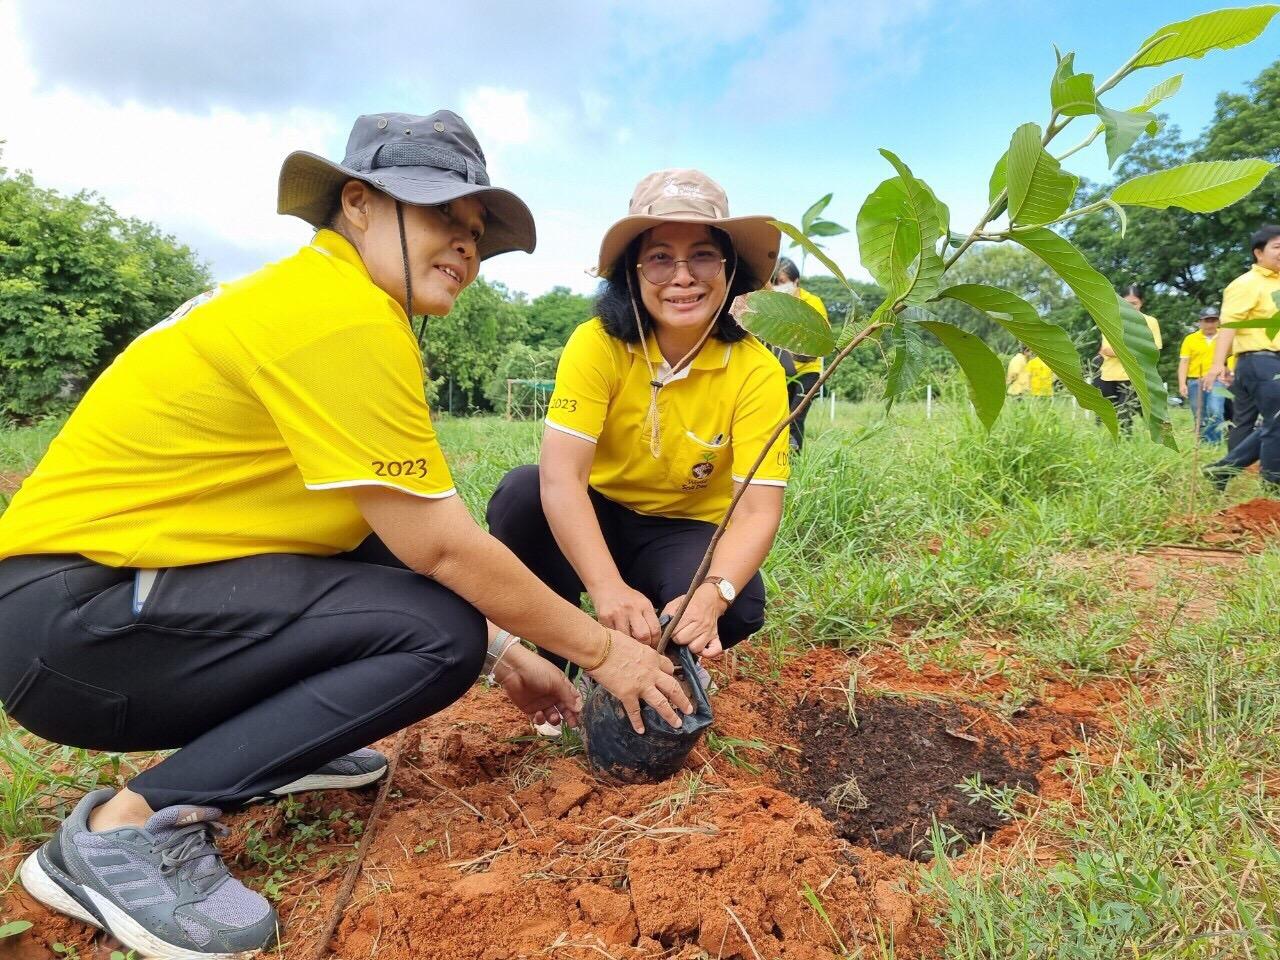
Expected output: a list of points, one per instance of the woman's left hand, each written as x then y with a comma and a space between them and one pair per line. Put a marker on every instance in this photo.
538, 687
698, 628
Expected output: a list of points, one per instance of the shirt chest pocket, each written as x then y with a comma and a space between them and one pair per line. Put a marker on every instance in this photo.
695, 462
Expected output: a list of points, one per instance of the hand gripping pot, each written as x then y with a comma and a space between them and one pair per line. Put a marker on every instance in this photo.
617, 752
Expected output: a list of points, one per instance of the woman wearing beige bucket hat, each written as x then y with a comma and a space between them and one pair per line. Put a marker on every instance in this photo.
245, 544
662, 403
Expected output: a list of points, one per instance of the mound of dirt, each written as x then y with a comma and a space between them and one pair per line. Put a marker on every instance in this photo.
884, 772
1260, 517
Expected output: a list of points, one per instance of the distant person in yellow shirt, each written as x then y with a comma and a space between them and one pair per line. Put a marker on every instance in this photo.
1113, 380
786, 279
1196, 357
1251, 296
1041, 377
1017, 379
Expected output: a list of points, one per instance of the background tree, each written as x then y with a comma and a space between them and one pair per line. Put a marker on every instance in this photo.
551, 317
77, 283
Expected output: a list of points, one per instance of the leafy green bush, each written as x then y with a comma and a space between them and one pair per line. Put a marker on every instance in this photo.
77, 283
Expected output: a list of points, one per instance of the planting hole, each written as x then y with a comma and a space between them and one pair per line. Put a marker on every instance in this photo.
883, 779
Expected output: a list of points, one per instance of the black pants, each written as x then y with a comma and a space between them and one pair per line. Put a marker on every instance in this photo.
656, 555
797, 387
1122, 397
1244, 420
260, 669
1257, 385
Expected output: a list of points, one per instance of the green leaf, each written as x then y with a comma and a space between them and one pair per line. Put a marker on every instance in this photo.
1123, 128
13, 928
1050, 342
898, 233
825, 228
1160, 92
1218, 30
1039, 190
908, 359
981, 367
812, 214
1125, 330
1072, 94
999, 178
784, 321
1124, 217
1198, 187
812, 248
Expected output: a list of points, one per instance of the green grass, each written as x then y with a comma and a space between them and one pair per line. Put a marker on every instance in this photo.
937, 529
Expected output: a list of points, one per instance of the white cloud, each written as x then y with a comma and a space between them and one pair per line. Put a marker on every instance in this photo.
210, 175
499, 117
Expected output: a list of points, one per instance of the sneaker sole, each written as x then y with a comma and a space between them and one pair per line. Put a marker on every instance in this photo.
316, 781
37, 882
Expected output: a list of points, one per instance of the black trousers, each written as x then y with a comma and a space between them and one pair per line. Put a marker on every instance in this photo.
1244, 421
1257, 384
259, 669
656, 555
1122, 397
797, 387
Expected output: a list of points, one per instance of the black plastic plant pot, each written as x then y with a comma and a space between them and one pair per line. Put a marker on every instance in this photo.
617, 752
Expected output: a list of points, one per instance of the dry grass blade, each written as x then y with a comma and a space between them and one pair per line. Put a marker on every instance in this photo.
745, 936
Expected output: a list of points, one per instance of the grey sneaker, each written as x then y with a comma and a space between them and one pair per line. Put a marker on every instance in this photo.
354, 770
161, 890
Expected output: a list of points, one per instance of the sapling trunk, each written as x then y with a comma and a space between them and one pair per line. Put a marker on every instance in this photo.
782, 426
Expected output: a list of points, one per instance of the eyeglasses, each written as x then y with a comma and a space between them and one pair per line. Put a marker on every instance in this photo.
659, 268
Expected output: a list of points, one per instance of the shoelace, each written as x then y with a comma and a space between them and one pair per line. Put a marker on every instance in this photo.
191, 845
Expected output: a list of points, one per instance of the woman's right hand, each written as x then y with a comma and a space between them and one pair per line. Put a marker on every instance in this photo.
634, 672
619, 607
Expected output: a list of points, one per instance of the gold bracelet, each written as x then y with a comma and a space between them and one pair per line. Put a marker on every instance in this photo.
608, 649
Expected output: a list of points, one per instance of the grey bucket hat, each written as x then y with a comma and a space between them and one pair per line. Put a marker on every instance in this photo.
419, 160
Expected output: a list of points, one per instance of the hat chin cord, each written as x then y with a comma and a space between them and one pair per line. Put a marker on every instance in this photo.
653, 422
408, 279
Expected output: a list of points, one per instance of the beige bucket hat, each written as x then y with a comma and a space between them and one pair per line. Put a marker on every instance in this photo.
690, 196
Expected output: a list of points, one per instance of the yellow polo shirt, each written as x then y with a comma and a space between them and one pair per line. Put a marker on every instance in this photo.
1248, 297
716, 417
1018, 379
1040, 377
1197, 350
1112, 368
814, 365
235, 427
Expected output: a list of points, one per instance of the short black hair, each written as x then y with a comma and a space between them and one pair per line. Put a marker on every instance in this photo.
613, 302
1263, 235
1133, 290
786, 270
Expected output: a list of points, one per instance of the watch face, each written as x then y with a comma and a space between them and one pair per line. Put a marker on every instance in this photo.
726, 590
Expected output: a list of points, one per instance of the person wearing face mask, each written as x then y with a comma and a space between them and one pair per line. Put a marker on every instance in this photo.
662, 404
802, 371
245, 545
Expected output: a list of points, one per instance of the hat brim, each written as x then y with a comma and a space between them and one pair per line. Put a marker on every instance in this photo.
309, 183
755, 239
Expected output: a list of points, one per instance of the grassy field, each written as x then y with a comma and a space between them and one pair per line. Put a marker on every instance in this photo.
924, 533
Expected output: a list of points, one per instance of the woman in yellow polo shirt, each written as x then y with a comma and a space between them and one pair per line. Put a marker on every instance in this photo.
805, 370
662, 403
1113, 379
245, 544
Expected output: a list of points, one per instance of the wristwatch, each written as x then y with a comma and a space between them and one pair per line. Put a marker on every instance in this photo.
723, 587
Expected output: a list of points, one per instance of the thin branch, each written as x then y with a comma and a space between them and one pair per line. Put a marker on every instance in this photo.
785, 424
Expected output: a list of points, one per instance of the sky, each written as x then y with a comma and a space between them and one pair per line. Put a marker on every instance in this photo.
181, 113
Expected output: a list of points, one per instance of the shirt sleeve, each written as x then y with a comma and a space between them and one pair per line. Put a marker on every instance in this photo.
1154, 326
351, 408
1238, 300
762, 405
1186, 349
584, 384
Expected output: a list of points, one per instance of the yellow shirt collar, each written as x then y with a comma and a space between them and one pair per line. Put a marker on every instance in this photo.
1268, 273
714, 354
338, 247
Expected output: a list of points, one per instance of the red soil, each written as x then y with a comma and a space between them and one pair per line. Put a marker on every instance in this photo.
496, 849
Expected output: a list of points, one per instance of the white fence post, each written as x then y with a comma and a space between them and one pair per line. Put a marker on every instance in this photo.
928, 401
